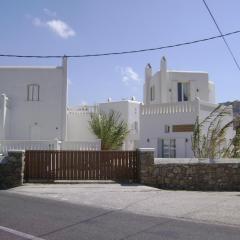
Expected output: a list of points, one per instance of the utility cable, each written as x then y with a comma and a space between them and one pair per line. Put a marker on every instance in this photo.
222, 35
123, 52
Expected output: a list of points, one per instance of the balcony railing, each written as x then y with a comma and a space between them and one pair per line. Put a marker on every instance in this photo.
82, 110
169, 108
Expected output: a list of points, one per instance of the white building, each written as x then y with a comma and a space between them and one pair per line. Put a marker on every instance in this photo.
34, 112
172, 102
33, 102
78, 121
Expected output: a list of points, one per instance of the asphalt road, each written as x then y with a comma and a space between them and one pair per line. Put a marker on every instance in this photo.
24, 217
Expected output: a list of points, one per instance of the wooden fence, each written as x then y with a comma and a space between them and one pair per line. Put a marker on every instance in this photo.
81, 165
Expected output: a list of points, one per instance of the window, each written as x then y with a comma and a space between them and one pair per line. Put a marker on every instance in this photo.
183, 92
33, 92
167, 148
152, 93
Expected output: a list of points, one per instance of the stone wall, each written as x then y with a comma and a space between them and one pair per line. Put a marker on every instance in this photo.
11, 170
197, 174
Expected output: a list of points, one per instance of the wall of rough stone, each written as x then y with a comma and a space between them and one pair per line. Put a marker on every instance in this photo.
219, 175
12, 170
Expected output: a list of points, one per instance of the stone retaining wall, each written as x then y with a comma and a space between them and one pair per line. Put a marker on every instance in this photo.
222, 175
11, 170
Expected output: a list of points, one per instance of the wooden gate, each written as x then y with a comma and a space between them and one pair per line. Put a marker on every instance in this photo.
81, 165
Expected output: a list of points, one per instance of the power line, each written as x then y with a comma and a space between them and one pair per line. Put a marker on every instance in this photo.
123, 52
222, 35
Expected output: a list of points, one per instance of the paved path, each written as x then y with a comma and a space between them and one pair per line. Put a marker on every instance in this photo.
25, 217
211, 207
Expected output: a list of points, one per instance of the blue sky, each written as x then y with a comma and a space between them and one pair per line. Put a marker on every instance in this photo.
60, 27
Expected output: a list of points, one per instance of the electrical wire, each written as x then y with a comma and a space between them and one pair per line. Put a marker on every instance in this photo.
123, 52
222, 35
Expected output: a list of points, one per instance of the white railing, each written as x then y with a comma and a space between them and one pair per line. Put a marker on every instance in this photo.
8, 145
169, 108
74, 145
82, 110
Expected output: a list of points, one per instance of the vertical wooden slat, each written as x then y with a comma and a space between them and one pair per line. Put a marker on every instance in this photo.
61, 165
64, 156
106, 165
89, 166
80, 165
88, 172
84, 165
93, 166
56, 165
110, 165
69, 165
98, 165
41, 169
32, 164
76, 166
72, 165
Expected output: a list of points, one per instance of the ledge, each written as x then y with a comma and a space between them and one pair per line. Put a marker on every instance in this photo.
196, 161
146, 149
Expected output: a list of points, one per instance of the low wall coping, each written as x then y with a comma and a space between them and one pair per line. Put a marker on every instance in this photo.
146, 149
195, 161
14, 151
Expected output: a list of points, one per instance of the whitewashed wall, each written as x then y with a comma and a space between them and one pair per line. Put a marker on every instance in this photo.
78, 124
47, 117
78, 121
153, 119
165, 83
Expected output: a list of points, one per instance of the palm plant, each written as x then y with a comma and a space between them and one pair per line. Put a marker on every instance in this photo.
209, 135
109, 128
236, 140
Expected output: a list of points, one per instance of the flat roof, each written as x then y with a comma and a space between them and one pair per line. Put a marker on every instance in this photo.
176, 71
30, 67
121, 101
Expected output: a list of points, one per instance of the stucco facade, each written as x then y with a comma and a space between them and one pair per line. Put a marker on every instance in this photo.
172, 102
78, 121
33, 102
33, 107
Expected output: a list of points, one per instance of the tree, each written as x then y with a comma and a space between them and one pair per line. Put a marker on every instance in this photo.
109, 128
209, 136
